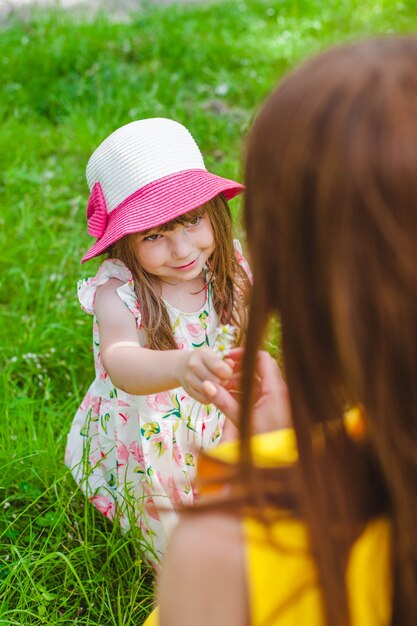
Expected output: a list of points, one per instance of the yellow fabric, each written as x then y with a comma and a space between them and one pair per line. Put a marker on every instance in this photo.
152, 619
281, 573
282, 576
268, 449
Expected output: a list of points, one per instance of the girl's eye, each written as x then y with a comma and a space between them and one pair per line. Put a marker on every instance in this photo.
193, 221
152, 237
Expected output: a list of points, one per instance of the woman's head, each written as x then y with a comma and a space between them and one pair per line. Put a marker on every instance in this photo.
331, 219
330, 210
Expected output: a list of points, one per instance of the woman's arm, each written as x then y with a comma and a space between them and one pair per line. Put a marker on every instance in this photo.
203, 575
140, 371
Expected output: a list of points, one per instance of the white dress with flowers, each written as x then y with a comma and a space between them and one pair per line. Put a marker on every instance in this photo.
135, 456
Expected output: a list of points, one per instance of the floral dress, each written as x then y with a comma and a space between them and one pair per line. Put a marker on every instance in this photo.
135, 456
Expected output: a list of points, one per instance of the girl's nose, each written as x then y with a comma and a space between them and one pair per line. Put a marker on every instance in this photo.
180, 244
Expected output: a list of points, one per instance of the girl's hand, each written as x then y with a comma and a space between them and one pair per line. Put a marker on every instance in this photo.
271, 408
199, 366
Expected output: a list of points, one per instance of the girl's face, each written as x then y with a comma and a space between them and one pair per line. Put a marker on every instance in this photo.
178, 254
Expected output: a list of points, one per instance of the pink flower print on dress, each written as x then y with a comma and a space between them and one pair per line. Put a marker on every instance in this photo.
105, 505
181, 343
151, 509
102, 374
160, 401
122, 453
174, 492
96, 457
136, 451
95, 404
160, 479
243, 262
86, 295
195, 329
161, 442
177, 454
124, 417
239, 256
85, 404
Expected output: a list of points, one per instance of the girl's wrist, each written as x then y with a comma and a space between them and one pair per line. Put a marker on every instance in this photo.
180, 366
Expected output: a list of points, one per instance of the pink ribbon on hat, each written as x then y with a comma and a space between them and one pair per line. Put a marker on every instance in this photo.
96, 212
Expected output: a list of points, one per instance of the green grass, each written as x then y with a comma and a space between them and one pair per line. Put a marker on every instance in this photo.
65, 84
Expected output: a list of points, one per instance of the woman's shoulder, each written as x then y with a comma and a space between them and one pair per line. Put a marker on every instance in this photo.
208, 567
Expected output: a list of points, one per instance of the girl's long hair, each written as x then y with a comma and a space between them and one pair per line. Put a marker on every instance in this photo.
230, 281
331, 218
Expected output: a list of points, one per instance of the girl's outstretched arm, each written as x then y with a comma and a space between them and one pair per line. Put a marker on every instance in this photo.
141, 371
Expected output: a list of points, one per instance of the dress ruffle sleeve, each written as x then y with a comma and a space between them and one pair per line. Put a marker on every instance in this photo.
111, 268
241, 259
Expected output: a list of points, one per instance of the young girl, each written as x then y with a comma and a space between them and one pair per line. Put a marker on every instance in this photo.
172, 280
331, 218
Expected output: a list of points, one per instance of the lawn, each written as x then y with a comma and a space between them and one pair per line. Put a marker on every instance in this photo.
65, 84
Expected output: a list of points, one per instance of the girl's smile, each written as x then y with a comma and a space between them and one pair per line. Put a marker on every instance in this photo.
178, 254
186, 267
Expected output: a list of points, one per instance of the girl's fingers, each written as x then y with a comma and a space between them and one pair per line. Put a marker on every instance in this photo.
199, 371
206, 391
199, 395
209, 389
215, 363
221, 369
207, 365
197, 388
194, 382
206, 372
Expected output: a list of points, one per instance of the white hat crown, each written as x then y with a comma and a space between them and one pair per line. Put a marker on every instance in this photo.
138, 154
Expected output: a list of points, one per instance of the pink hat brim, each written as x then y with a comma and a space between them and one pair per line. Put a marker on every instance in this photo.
160, 202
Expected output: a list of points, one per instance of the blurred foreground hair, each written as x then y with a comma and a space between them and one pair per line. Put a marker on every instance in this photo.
331, 218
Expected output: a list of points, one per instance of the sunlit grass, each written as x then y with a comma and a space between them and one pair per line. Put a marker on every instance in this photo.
65, 84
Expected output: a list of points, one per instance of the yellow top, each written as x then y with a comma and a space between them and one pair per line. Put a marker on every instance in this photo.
282, 581
281, 573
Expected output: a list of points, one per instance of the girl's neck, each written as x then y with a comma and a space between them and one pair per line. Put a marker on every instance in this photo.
188, 296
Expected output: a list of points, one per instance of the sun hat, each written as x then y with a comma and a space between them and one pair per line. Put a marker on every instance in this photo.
143, 175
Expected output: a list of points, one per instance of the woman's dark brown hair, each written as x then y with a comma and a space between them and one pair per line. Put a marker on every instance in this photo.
331, 219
